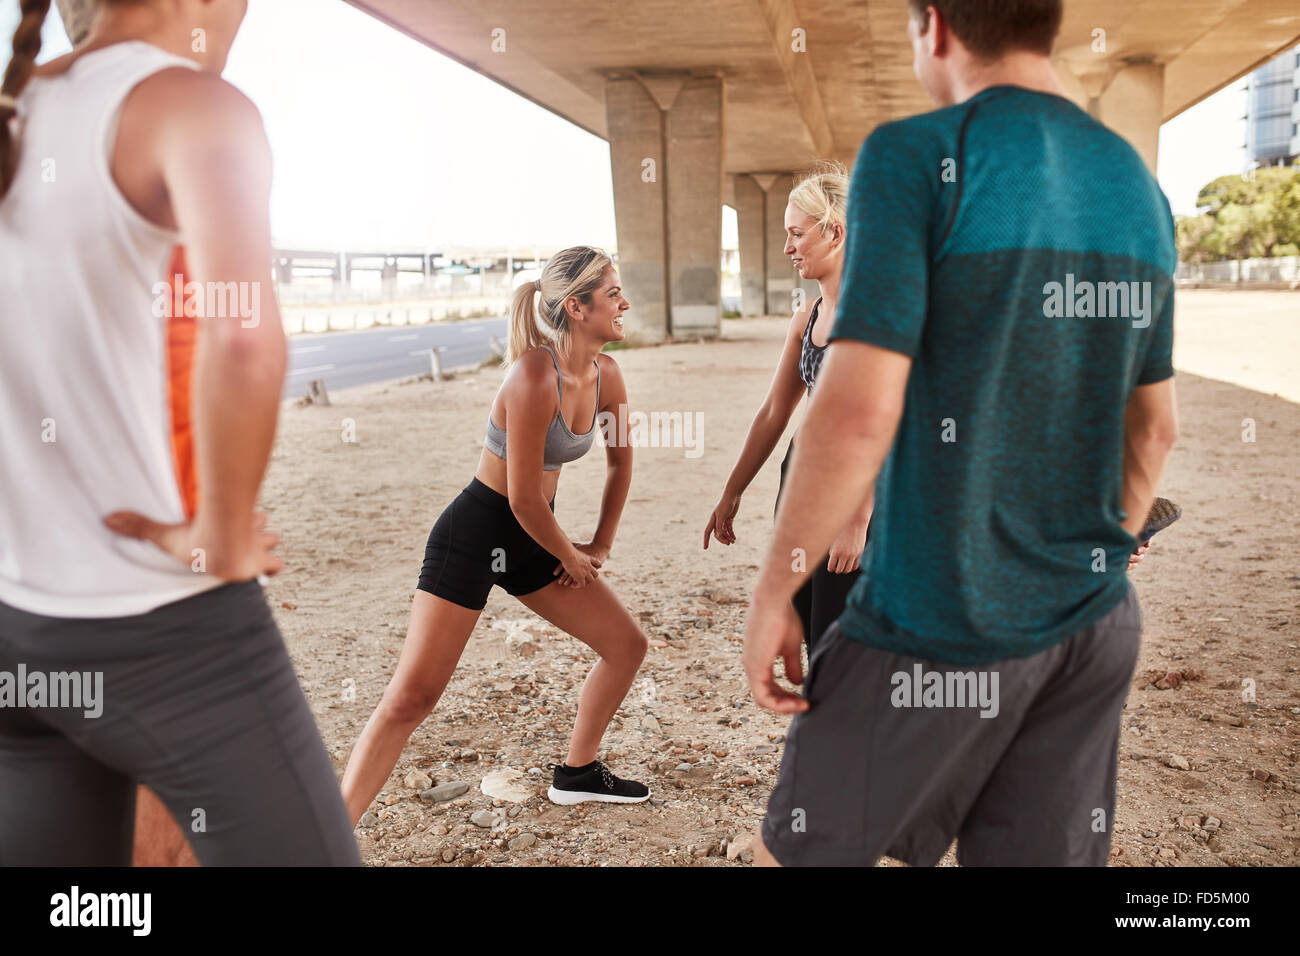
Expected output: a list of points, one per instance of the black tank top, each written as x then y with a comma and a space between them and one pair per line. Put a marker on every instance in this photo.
810, 356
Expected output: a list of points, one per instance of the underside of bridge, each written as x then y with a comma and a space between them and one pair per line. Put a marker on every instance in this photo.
724, 100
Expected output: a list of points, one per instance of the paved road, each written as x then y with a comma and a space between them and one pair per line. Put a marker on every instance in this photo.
344, 359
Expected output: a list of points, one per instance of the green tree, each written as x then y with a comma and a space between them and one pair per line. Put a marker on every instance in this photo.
1243, 217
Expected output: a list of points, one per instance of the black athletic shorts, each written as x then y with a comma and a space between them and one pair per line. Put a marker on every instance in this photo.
477, 542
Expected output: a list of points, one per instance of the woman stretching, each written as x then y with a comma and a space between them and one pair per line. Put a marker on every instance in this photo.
814, 227
501, 530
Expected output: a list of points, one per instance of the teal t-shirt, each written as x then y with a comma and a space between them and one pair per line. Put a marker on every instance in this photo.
1022, 255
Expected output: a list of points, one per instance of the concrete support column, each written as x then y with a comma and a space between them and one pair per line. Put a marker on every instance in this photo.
388, 278
781, 277
636, 156
665, 145
750, 200
693, 133
1132, 106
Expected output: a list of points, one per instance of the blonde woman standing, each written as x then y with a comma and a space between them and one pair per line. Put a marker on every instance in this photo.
814, 228
501, 530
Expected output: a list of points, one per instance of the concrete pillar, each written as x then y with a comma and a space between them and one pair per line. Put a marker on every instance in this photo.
1132, 105
693, 132
750, 200
636, 156
781, 276
388, 278
665, 145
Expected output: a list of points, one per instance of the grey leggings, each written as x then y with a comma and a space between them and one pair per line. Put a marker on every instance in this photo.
200, 703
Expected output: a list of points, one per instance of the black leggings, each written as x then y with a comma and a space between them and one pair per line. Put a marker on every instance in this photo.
822, 598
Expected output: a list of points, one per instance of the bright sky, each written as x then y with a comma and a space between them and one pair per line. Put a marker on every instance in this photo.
381, 142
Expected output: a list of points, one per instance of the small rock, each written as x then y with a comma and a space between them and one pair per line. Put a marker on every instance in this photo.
1260, 774
368, 819
448, 855
444, 791
508, 784
523, 841
1168, 853
739, 845
483, 818
1177, 762
417, 780
1212, 823
685, 767
392, 799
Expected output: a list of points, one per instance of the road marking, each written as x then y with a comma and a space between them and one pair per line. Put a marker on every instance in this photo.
313, 368
403, 338
308, 348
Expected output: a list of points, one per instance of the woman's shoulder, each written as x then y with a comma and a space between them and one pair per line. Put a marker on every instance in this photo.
802, 315
532, 372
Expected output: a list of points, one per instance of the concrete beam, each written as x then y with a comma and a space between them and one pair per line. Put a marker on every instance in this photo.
795, 65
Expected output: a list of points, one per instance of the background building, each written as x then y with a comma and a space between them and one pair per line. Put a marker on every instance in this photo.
1273, 112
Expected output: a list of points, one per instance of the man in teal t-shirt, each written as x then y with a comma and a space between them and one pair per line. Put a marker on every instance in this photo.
1001, 362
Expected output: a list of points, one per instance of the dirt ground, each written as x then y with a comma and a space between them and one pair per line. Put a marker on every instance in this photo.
1205, 778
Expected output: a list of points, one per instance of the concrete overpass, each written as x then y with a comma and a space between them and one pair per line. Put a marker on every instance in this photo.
724, 101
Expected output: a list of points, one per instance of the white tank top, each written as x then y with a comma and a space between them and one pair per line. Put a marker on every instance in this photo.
83, 376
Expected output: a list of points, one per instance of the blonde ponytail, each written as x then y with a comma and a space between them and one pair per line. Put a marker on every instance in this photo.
573, 272
524, 332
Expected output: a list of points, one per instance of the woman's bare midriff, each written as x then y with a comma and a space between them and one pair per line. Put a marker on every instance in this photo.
492, 472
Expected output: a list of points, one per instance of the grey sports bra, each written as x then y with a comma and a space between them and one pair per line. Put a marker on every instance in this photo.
562, 444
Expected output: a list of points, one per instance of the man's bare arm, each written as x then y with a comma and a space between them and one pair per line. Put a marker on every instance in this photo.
1150, 430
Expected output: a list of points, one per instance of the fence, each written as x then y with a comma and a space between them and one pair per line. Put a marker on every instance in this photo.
1281, 269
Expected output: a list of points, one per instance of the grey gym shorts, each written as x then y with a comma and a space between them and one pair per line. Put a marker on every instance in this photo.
897, 756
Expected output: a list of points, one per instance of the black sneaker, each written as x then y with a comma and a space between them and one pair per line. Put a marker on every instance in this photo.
594, 783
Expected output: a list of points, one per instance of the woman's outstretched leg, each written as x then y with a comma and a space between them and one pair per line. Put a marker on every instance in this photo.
435, 639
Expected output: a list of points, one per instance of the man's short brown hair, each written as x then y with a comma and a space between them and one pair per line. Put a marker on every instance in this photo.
990, 28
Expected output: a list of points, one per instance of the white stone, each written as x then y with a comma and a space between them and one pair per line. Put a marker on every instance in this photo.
508, 784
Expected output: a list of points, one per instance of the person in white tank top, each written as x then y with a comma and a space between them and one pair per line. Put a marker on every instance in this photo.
121, 559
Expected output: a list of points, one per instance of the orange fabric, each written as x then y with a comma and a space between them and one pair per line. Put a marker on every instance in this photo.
182, 335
